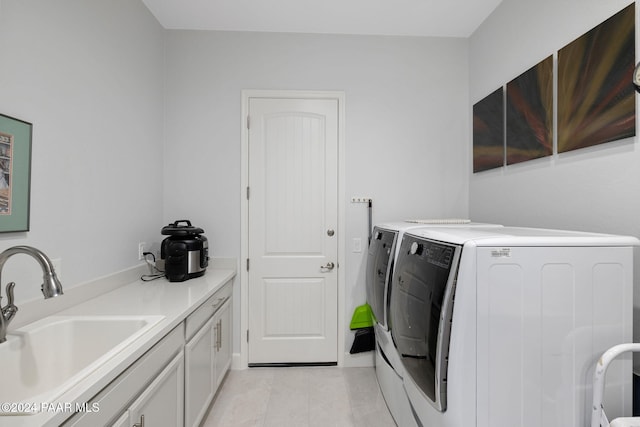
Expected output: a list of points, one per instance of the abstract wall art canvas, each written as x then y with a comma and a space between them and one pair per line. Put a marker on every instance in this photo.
530, 114
488, 132
596, 98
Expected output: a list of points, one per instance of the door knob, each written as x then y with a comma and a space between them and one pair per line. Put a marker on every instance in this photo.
329, 266
330, 232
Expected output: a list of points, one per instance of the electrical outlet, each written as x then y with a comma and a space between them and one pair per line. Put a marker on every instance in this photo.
141, 246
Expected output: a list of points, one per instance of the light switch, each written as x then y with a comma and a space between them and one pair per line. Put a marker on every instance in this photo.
357, 245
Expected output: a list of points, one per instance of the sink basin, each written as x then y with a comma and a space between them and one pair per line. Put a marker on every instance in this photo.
42, 360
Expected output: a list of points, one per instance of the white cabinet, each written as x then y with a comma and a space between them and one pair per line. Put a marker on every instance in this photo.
207, 354
174, 383
222, 359
161, 404
123, 421
199, 374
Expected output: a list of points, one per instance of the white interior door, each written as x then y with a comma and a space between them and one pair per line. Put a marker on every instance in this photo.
293, 218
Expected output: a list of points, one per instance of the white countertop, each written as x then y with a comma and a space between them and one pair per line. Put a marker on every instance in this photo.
175, 301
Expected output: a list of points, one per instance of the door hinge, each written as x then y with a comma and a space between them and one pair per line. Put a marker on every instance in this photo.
247, 335
247, 122
248, 192
247, 264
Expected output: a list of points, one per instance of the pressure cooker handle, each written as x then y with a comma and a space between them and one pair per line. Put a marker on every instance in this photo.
175, 224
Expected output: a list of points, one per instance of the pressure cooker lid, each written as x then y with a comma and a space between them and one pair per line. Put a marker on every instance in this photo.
182, 227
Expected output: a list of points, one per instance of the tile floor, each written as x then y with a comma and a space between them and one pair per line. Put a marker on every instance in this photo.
300, 397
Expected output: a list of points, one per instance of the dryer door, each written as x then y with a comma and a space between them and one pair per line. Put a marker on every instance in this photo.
422, 306
379, 265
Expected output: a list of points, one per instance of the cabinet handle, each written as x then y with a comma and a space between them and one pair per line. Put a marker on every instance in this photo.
219, 303
218, 336
141, 423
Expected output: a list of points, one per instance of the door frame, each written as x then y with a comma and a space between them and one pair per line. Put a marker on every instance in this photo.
241, 362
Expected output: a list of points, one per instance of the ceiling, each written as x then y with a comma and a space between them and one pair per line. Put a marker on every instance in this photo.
437, 18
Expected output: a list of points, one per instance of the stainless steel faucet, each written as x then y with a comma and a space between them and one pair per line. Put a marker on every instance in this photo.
50, 288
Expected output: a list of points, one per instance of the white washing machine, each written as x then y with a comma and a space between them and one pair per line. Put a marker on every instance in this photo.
382, 253
502, 327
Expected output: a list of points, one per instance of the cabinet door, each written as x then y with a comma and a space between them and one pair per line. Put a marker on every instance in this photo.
199, 374
161, 404
222, 341
123, 421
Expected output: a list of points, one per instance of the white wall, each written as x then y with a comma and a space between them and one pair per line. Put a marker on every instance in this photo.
406, 127
89, 75
594, 189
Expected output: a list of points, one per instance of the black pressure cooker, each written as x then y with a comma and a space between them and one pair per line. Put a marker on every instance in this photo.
185, 252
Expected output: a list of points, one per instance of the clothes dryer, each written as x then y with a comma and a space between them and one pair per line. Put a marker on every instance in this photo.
502, 327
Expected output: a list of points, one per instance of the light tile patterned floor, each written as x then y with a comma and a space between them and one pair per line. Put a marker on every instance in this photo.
300, 397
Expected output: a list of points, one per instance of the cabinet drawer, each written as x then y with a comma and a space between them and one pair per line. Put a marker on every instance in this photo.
203, 313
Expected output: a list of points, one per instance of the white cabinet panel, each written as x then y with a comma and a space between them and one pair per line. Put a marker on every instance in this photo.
222, 342
199, 374
207, 356
161, 404
123, 421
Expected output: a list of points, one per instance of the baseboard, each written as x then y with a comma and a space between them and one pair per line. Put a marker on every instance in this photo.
236, 362
360, 360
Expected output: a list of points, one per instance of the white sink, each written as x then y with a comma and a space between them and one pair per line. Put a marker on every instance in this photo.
42, 360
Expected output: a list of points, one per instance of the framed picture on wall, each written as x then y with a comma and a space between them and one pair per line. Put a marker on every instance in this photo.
488, 132
530, 114
15, 174
596, 97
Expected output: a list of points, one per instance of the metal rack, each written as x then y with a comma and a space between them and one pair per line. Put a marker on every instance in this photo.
598, 416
